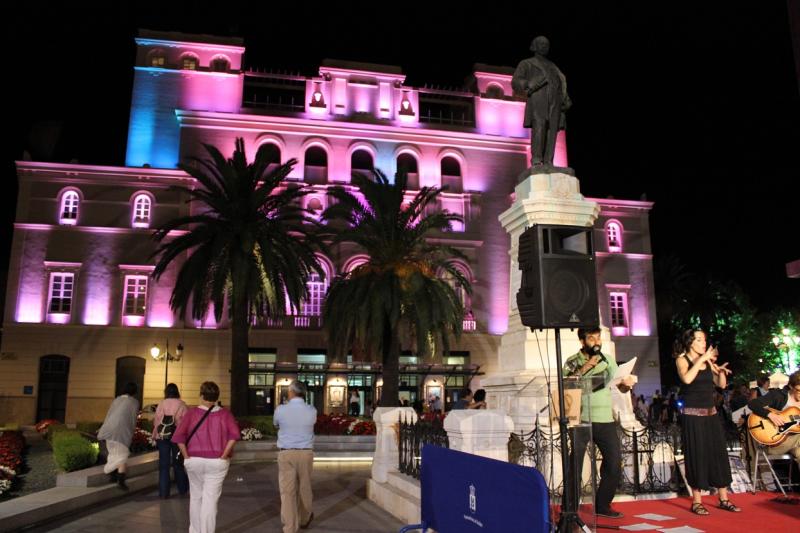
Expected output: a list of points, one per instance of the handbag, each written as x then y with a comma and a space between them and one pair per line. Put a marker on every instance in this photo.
178, 455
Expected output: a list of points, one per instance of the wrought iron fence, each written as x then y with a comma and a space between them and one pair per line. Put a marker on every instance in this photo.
648, 457
413, 435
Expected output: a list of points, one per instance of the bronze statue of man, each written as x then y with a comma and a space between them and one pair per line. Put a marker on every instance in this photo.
546, 89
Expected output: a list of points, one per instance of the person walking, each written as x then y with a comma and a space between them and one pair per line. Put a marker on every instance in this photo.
169, 413
117, 432
206, 436
295, 422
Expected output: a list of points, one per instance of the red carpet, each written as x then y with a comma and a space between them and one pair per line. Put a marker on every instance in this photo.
760, 513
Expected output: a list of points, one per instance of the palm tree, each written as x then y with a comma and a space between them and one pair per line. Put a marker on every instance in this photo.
248, 241
395, 297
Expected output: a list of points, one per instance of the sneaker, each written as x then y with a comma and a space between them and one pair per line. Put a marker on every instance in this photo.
610, 513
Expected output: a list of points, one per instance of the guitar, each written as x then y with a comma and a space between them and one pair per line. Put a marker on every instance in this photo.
765, 432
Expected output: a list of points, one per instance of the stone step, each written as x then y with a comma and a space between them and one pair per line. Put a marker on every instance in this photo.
50, 504
94, 476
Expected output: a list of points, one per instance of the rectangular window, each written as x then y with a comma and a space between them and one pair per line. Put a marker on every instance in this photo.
61, 289
135, 295
309, 359
619, 305
263, 357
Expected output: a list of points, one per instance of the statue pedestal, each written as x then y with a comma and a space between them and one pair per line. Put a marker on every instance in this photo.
544, 198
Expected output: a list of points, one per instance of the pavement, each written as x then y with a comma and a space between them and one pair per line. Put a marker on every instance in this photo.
250, 502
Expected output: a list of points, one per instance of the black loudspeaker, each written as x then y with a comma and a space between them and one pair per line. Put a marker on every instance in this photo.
559, 285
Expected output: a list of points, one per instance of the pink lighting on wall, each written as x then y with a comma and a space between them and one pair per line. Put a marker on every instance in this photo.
160, 323
29, 312
560, 157
97, 300
211, 91
133, 321
58, 318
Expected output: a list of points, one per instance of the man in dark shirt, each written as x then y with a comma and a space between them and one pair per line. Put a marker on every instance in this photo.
779, 400
464, 400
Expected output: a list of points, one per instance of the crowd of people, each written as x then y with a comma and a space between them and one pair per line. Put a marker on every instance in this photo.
196, 445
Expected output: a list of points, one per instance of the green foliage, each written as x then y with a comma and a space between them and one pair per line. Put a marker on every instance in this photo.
72, 452
62, 434
261, 423
721, 308
398, 296
145, 424
54, 429
248, 241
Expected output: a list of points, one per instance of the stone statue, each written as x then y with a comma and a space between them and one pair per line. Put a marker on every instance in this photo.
546, 89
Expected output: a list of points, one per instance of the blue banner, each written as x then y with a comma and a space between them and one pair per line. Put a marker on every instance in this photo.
465, 493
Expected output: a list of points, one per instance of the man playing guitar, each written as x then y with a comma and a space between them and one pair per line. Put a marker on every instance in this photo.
780, 400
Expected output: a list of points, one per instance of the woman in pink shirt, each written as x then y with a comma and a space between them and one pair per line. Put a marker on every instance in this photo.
211, 432
169, 414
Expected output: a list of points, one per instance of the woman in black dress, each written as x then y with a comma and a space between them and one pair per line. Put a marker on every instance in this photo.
706, 458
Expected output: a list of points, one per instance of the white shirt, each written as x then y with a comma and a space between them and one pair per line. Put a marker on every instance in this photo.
295, 422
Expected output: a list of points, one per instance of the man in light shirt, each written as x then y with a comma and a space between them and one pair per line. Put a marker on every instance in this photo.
295, 422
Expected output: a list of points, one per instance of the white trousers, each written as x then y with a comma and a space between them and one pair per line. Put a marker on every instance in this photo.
205, 486
118, 454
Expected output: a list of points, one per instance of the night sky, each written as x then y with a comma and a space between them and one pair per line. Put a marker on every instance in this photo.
696, 106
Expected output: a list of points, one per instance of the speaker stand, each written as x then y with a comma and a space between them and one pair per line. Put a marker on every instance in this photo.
569, 519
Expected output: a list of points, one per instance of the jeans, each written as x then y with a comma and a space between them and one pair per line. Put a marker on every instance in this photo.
604, 435
166, 458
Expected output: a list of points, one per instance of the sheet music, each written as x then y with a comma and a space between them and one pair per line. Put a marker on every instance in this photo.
624, 370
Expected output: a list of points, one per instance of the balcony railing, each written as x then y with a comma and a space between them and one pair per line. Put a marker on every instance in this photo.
289, 322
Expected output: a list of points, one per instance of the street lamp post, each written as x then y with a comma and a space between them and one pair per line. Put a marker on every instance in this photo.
155, 353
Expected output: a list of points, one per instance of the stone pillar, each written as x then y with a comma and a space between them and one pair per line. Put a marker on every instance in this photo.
387, 433
553, 198
479, 432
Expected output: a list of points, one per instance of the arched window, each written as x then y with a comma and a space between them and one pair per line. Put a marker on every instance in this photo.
70, 205
220, 64
451, 174
361, 162
355, 262
494, 91
142, 208
407, 163
272, 154
157, 59
189, 62
458, 288
614, 236
317, 290
315, 170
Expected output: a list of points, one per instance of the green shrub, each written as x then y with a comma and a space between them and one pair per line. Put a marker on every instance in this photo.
72, 452
261, 423
53, 429
62, 434
88, 427
145, 424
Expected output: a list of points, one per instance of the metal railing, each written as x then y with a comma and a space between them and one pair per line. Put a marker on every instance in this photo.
413, 436
648, 457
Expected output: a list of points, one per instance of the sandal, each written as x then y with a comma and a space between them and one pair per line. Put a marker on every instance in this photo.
728, 505
699, 509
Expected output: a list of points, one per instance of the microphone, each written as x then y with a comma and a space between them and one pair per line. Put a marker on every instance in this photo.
595, 350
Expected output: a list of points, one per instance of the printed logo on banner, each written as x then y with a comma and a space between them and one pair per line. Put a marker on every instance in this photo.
473, 500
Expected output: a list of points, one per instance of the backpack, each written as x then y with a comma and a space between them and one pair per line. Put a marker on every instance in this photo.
166, 428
